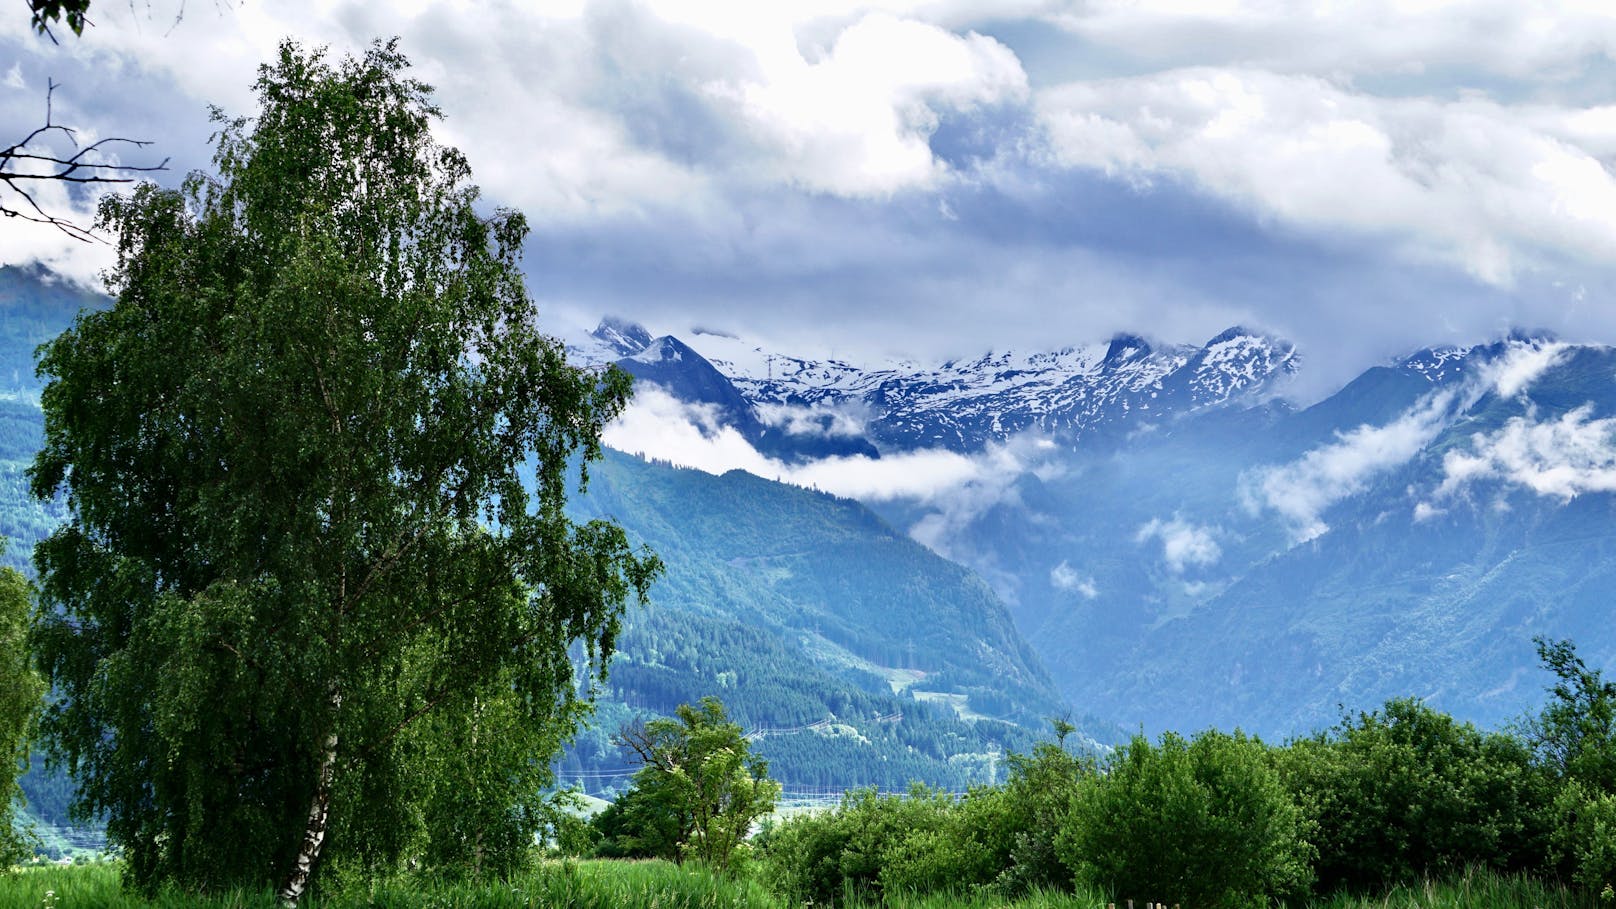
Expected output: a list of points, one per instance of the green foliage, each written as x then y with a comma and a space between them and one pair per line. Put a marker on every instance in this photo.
43, 12
20, 693
641, 823
301, 559
699, 780
1407, 791
1584, 837
564, 830
1576, 732
1575, 736
1474, 888
960, 845
876, 846
1039, 796
577, 885
844, 853
1205, 822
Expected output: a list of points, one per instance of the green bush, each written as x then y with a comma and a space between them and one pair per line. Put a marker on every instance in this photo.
847, 851
1406, 792
1584, 840
640, 824
962, 845
1205, 823
880, 847
1575, 739
1037, 798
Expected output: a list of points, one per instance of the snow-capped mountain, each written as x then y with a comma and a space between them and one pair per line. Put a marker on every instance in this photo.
1071, 394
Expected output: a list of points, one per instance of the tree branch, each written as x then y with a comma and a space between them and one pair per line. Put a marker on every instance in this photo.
82, 167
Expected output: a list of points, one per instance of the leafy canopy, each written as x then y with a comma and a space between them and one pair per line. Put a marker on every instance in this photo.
699, 785
316, 456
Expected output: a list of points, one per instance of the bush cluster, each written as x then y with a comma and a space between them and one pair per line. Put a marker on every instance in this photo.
1384, 799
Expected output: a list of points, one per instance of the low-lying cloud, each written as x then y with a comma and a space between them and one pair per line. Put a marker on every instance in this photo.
844, 419
1065, 577
957, 488
1560, 458
1302, 490
1523, 364
1184, 544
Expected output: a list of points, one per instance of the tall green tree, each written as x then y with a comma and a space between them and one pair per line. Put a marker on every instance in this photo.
20, 693
316, 456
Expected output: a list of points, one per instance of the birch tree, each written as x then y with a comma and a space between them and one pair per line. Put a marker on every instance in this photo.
316, 456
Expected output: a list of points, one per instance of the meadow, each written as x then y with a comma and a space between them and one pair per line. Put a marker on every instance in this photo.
656, 884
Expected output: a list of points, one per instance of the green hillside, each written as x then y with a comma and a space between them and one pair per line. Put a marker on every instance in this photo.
859, 656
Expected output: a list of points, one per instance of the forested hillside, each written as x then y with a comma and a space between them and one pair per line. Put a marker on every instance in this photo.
857, 655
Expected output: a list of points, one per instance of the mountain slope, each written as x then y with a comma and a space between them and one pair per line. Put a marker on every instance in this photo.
1193, 551
799, 608
1260, 566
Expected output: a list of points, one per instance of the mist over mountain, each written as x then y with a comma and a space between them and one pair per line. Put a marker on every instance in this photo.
1150, 534
1185, 548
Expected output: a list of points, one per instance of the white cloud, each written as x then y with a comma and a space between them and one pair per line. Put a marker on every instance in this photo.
1183, 543
1065, 577
1522, 364
1561, 458
575, 110
1536, 40
857, 120
959, 488
1425, 511
1302, 490
1488, 186
822, 418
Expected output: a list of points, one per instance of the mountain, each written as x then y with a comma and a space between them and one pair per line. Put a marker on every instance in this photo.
1076, 394
1262, 567
34, 307
686, 375
1191, 550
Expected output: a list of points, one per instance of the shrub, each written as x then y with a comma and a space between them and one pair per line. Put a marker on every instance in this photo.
1037, 798
961, 845
1406, 791
1204, 823
843, 852
1584, 840
1575, 738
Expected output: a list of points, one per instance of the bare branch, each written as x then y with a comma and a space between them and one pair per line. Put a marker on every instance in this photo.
82, 167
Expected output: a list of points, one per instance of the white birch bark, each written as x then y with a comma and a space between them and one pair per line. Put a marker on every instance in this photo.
314, 829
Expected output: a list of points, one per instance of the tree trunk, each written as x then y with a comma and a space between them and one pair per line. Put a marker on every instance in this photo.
314, 828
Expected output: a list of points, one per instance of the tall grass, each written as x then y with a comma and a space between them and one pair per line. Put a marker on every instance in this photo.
1474, 889
662, 885
576, 885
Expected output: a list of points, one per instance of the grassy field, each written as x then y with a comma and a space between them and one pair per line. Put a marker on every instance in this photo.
660, 885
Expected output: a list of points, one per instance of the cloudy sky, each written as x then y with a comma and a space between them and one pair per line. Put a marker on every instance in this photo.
928, 179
